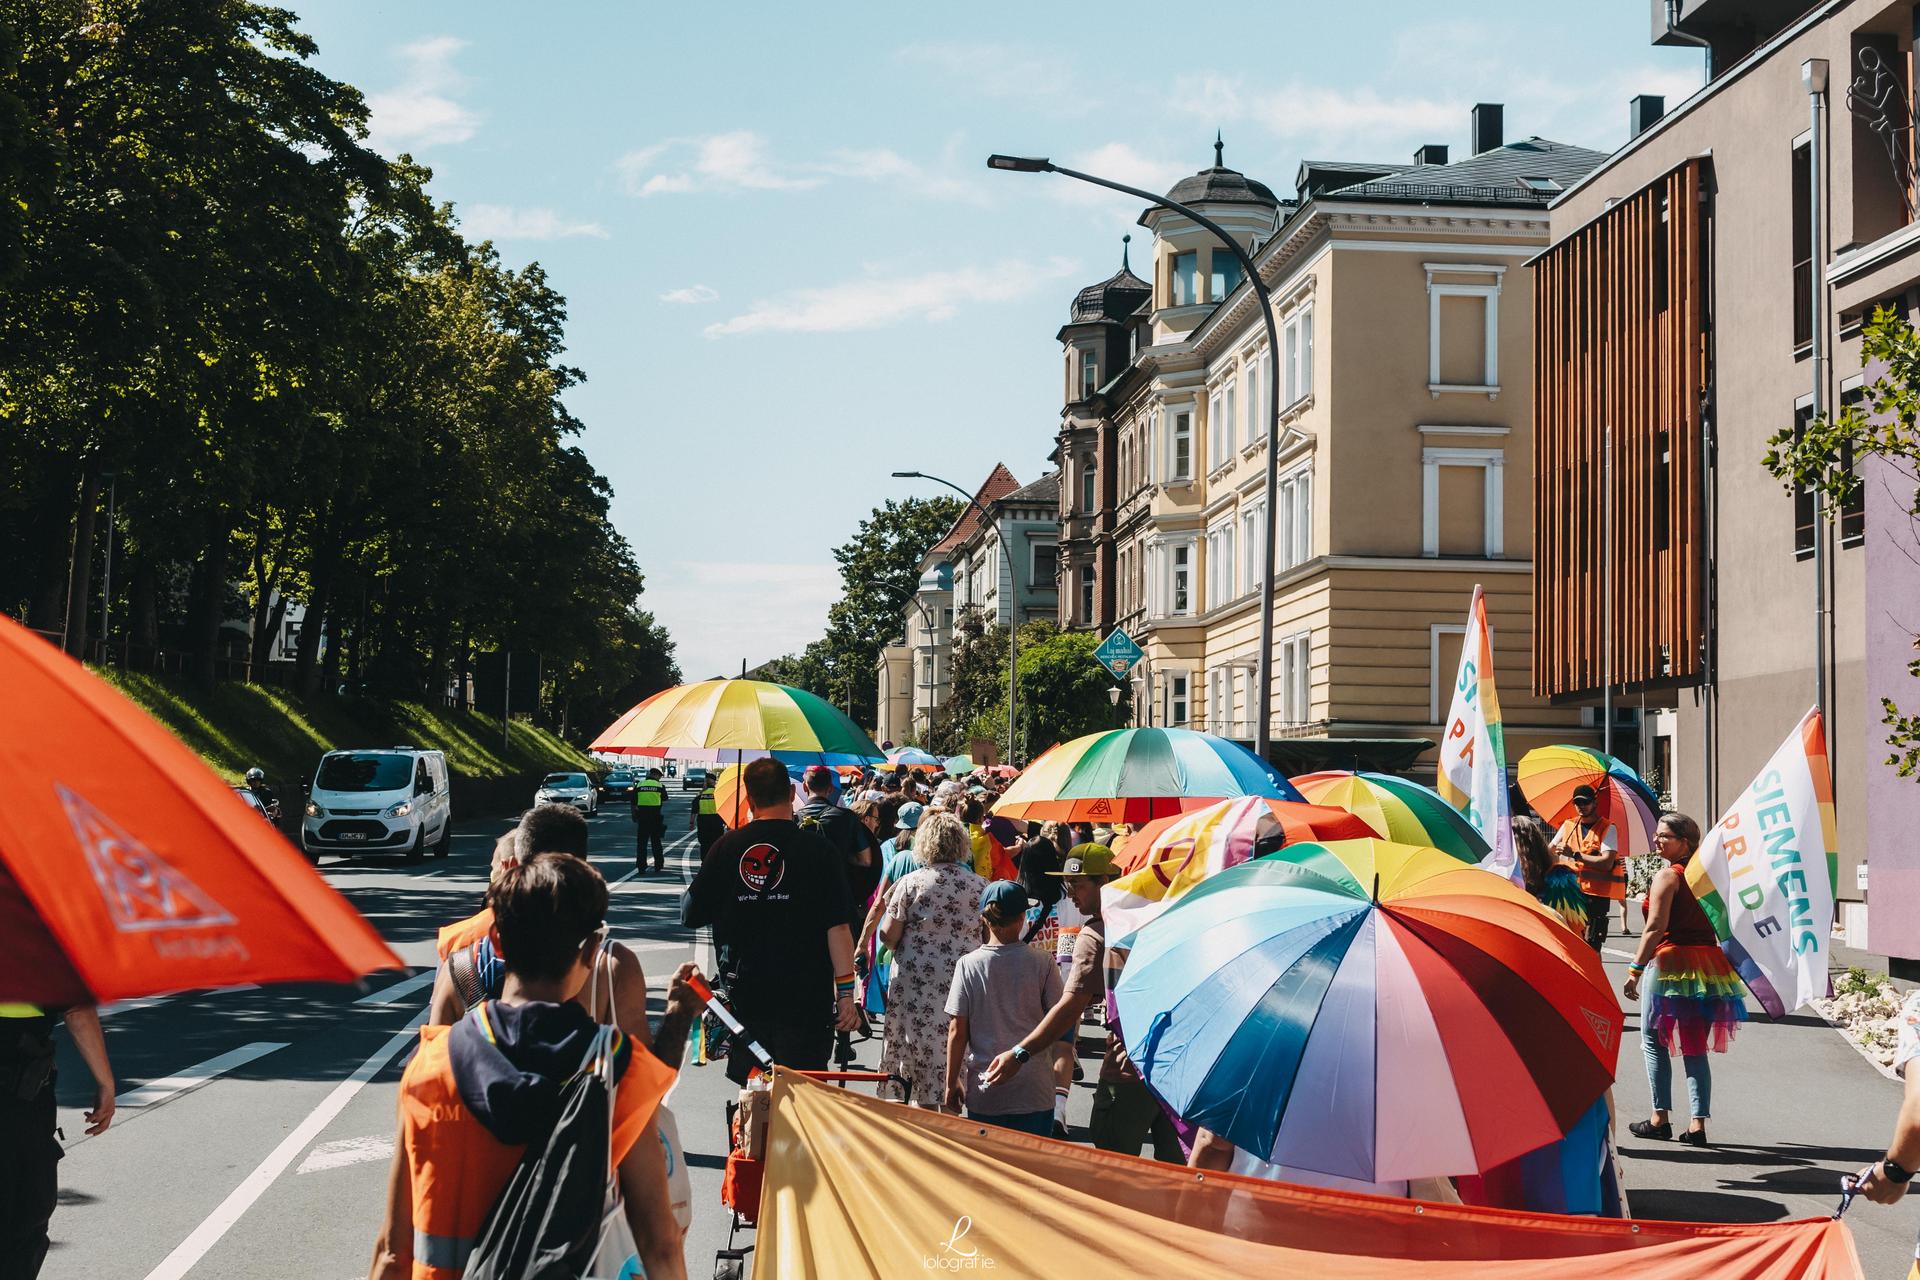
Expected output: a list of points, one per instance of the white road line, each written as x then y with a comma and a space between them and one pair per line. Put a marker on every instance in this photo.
148, 1002
659, 946
400, 990
335, 1155
189, 1251
1618, 955
156, 1091
630, 875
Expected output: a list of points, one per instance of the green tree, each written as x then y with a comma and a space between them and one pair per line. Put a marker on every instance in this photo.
1826, 458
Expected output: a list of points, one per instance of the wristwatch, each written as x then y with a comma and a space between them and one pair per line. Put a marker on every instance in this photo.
1895, 1172
1020, 1054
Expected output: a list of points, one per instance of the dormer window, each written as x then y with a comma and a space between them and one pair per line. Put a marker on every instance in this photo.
1186, 279
1544, 186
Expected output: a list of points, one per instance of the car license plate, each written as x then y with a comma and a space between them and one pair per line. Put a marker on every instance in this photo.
353, 835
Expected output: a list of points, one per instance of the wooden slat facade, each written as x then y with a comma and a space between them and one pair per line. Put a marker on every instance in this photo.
1620, 340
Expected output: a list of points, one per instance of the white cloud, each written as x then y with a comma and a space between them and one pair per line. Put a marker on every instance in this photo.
692, 293
721, 612
879, 301
741, 160
502, 222
1007, 72
1122, 163
1327, 121
420, 111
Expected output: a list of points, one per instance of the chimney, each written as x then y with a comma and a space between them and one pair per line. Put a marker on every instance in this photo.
1432, 153
1644, 112
1486, 127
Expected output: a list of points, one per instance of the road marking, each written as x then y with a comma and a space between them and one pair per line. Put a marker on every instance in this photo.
400, 990
157, 1091
148, 1002
658, 946
189, 1251
1618, 955
335, 1155
630, 875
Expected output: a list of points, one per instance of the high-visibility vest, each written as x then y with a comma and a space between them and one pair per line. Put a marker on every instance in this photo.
21, 1011
463, 933
649, 794
1597, 880
456, 1169
709, 804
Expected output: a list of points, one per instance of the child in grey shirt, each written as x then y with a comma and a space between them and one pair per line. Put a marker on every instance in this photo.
999, 993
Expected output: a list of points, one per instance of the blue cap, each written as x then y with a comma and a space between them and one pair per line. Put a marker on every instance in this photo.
1005, 898
909, 815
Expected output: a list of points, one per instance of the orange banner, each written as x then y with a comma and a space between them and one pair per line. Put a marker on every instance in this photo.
859, 1187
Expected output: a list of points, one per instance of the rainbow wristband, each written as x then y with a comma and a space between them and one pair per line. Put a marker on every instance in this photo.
843, 987
1635, 970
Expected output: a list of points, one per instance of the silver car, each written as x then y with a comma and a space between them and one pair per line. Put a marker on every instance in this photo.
568, 788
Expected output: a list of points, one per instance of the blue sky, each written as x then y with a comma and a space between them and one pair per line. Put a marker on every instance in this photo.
790, 273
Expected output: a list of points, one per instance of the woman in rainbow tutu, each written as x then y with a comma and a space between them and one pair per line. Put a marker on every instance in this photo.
1694, 999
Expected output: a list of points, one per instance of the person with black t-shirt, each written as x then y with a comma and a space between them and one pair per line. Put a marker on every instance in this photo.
776, 896
849, 836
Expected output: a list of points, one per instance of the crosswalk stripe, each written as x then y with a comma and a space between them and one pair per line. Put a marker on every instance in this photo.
156, 1091
335, 1155
398, 991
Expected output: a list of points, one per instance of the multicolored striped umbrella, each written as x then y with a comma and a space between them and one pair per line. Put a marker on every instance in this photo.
915, 758
1398, 810
1297, 823
736, 721
1430, 1019
1549, 775
730, 797
1137, 775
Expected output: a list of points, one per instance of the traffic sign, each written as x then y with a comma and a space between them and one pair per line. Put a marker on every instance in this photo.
1119, 654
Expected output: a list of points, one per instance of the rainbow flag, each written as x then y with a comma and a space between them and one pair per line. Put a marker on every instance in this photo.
992, 843
1472, 769
1764, 875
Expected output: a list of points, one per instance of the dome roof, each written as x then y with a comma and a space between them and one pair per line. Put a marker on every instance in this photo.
1221, 185
1115, 298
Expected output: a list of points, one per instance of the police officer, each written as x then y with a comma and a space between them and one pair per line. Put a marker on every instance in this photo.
650, 821
29, 1176
707, 826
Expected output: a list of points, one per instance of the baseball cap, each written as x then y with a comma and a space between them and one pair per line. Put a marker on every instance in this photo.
909, 815
1583, 792
1005, 897
1086, 860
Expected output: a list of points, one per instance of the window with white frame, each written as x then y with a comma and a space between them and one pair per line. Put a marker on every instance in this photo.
1089, 373
1461, 501
1253, 535
1444, 642
1230, 428
1175, 707
1186, 279
1293, 542
1296, 345
1086, 596
1089, 475
1046, 566
1180, 444
1254, 409
1463, 327
1217, 437
1221, 583
1180, 579
1296, 678
1219, 699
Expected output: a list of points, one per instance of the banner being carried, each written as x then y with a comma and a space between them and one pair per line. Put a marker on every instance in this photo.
1764, 874
1473, 750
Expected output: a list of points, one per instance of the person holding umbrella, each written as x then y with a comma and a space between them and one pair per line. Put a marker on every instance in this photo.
1590, 838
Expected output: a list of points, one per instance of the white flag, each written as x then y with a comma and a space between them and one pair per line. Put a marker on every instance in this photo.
1473, 749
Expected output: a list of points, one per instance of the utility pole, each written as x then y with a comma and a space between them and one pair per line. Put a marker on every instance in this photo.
506, 700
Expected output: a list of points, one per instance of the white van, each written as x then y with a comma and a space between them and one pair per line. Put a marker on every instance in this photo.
382, 798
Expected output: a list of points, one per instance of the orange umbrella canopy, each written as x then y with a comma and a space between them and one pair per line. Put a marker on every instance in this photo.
730, 797
142, 870
1298, 823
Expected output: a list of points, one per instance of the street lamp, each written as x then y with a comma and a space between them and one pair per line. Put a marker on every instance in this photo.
1013, 605
1263, 706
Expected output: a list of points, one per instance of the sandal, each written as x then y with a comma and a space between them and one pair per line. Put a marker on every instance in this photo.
1648, 1129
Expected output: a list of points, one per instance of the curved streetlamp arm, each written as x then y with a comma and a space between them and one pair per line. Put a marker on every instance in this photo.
1263, 712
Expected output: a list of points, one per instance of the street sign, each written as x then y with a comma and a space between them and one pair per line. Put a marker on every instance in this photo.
1119, 654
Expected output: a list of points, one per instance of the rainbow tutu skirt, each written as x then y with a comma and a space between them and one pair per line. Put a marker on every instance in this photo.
1694, 1001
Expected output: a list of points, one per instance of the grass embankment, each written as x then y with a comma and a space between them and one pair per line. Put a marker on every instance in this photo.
235, 727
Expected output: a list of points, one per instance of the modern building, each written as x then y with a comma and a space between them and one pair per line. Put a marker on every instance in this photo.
1404, 314
914, 673
1696, 278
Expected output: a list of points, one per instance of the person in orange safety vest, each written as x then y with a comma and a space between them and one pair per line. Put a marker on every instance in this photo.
477, 1092
1592, 842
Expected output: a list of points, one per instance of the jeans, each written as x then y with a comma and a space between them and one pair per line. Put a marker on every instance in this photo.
1125, 1116
1034, 1122
1660, 1073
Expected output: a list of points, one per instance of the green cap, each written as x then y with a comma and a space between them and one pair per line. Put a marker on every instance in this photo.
1087, 860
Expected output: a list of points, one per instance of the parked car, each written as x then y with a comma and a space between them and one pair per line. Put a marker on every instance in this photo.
617, 785
568, 788
695, 779
397, 798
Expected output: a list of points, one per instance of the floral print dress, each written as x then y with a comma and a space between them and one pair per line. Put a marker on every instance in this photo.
940, 909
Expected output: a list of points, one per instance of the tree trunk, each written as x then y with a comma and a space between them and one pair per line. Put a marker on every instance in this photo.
206, 607
143, 604
80, 564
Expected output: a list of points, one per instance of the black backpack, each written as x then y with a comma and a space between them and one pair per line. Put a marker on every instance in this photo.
546, 1224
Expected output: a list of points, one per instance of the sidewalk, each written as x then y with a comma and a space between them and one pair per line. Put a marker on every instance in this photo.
1794, 1107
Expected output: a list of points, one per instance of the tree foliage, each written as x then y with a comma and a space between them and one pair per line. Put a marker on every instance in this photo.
302, 384
1062, 690
1826, 457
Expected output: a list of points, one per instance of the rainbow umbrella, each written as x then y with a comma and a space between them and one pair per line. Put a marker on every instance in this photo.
1431, 1019
736, 721
1297, 823
1398, 810
915, 758
1549, 775
1137, 775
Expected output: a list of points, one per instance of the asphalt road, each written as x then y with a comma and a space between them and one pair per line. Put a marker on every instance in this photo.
255, 1125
